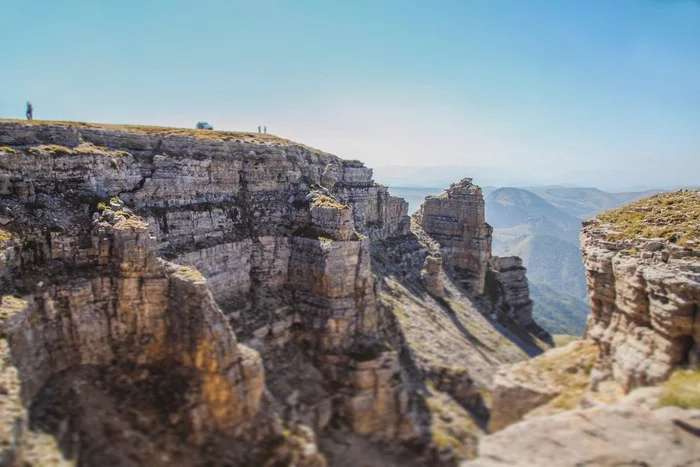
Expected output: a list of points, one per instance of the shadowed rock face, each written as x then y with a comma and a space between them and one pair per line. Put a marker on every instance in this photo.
130, 256
509, 273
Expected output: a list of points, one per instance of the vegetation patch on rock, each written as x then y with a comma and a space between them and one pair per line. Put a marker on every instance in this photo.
682, 389
5, 238
326, 201
672, 216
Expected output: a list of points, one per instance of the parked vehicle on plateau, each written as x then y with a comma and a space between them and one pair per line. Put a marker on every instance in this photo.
203, 126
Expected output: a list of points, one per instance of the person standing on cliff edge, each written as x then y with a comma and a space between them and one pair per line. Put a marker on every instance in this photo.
30, 111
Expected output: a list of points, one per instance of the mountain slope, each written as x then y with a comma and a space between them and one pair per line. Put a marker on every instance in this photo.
515, 207
558, 312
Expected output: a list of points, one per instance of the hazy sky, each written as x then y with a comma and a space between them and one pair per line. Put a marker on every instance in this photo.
573, 91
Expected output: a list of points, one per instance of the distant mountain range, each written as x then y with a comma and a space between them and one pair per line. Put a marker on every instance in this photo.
542, 226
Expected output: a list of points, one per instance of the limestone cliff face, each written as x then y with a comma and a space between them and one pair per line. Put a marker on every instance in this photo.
286, 261
645, 296
512, 294
456, 220
247, 293
135, 308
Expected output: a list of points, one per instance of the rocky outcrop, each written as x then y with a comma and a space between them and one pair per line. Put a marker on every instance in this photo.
559, 377
455, 219
509, 290
645, 292
455, 225
624, 434
119, 306
282, 257
642, 266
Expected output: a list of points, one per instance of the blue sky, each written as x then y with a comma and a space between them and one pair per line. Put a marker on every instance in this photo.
595, 92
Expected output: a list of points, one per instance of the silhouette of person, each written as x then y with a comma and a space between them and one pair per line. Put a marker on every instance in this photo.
30, 111
259, 129
265, 129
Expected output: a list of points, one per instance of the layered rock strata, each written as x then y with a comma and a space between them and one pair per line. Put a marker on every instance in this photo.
645, 292
510, 292
456, 220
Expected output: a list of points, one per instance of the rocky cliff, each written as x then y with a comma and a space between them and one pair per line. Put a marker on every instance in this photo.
196, 297
455, 221
645, 287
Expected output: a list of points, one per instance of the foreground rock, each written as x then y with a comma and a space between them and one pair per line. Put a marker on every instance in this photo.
600, 436
558, 378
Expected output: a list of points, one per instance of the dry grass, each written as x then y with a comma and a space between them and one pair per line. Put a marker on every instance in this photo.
451, 426
7, 150
10, 305
133, 223
52, 149
682, 389
190, 274
5, 238
672, 216
567, 368
560, 340
246, 137
325, 201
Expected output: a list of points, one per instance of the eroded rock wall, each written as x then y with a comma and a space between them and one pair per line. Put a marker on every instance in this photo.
132, 307
644, 306
455, 224
283, 245
511, 294
455, 219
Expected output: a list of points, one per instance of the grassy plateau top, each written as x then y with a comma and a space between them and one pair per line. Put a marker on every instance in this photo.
161, 131
673, 217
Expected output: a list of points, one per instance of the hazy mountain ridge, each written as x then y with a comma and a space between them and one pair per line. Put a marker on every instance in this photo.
511, 208
585, 203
